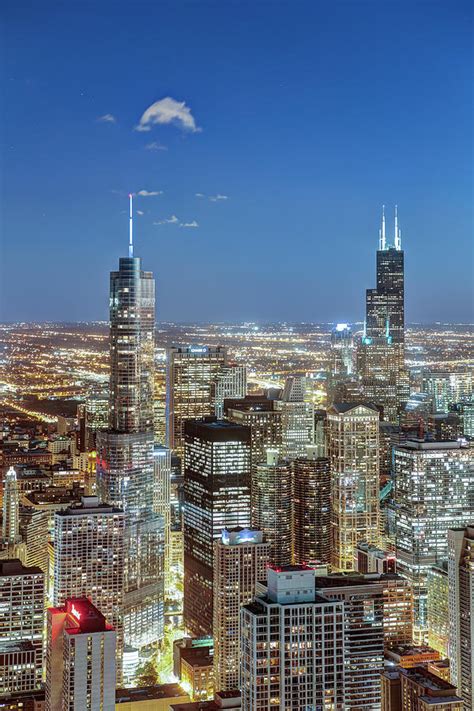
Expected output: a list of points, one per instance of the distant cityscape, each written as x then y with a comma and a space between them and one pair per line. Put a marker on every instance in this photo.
237, 516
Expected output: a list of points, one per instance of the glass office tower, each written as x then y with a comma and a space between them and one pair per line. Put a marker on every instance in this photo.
125, 462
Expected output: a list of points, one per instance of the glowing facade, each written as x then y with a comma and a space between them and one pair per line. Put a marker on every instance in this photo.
353, 451
191, 374
432, 493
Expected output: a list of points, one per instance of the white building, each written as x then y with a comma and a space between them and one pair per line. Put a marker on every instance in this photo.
240, 561
80, 658
292, 646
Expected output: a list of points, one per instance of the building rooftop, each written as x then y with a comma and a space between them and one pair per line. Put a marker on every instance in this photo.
14, 566
210, 428
422, 445
341, 407
222, 700
197, 656
88, 505
149, 693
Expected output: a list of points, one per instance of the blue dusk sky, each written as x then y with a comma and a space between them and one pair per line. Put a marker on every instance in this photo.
260, 138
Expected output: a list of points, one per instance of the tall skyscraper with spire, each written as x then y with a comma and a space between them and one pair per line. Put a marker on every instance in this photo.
125, 463
381, 354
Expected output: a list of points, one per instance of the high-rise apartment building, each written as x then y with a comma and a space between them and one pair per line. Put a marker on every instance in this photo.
80, 658
191, 376
362, 597
10, 509
461, 611
125, 464
381, 353
240, 561
89, 560
21, 627
216, 496
433, 483
292, 646
297, 418
311, 497
272, 506
353, 452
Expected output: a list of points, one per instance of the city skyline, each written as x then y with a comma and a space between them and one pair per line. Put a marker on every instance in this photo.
201, 142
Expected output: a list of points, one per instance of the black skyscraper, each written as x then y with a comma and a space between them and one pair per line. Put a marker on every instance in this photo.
381, 357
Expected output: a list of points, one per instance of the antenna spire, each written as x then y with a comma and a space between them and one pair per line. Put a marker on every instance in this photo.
130, 239
398, 241
382, 240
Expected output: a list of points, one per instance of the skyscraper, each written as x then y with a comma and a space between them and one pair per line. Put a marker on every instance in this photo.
271, 506
297, 418
11, 500
89, 560
292, 646
125, 466
162, 506
342, 350
21, 627
311, 496
264, 419
80, 658
353, 451
461, 611
432, 493
216, 496
191, 375
381, 354
240, 561
362, 597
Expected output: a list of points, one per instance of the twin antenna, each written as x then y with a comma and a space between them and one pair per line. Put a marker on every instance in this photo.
397, 243
130, 238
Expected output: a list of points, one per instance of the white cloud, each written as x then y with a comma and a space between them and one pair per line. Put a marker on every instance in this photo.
107, 118
168, 221
155, 146
139, 212
216, 198
189, 224
212, 198
166, 111
149, 193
